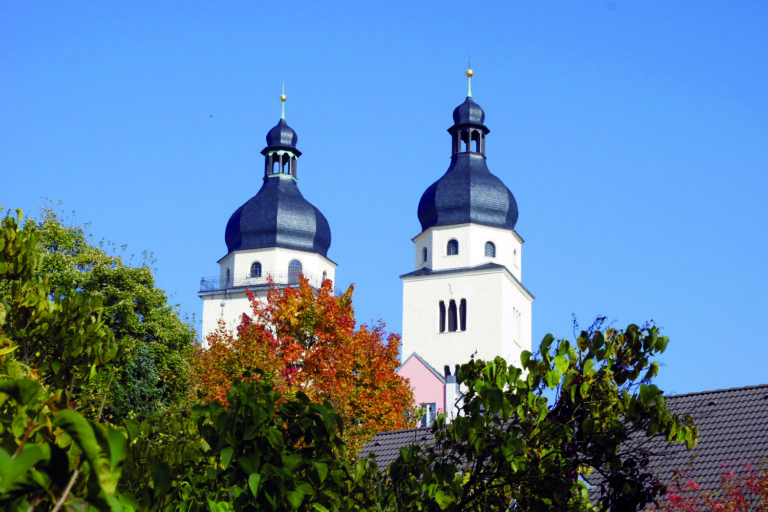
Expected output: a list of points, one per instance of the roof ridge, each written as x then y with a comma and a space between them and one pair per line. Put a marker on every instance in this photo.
714, 391
403, 431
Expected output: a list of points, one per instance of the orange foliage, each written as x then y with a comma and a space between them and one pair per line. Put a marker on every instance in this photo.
306, 339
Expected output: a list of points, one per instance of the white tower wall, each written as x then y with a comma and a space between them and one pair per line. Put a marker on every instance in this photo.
225, 298
498, 316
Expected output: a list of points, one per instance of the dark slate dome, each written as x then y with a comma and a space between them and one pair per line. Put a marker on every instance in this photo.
468, 112
278, 216
282, 135
468, 192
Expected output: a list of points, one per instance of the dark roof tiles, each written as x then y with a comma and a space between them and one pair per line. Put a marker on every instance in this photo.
386, 445
733, 427
733, 432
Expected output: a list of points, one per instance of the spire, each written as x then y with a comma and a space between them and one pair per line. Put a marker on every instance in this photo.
281, 153
469, 74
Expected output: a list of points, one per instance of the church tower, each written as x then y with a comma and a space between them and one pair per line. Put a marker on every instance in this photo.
465, 296
276, 234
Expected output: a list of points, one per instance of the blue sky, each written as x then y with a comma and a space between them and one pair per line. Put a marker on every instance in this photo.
634, 136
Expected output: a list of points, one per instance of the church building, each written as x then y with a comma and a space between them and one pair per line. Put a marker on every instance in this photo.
275, 235
465, 296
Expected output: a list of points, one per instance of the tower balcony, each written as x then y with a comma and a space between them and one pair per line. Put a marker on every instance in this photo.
217, 284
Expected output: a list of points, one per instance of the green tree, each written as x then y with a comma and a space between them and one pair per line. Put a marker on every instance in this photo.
153, 372
262, 452
50, 455
511, 447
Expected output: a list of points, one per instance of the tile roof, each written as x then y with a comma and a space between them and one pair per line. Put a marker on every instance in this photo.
733, 430
386, 445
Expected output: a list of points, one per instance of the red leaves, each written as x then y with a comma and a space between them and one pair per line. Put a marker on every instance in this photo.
745, 490
306, 339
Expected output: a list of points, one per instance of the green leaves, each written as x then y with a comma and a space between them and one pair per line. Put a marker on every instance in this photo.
515, 443
553, 378
104, 450
264, 452
23, 391
16, 473
561, 363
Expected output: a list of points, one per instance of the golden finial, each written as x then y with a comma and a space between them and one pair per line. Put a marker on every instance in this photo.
469, 74
283, 97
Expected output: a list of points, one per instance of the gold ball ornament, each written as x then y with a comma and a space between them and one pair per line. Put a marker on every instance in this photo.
469, 73
283, 97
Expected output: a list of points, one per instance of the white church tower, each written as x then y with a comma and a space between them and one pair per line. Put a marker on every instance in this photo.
276, 234
466, 296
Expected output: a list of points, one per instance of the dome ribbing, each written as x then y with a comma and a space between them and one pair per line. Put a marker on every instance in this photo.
278, 215
468, 191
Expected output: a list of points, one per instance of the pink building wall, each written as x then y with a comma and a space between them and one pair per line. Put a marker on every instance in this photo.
427, 385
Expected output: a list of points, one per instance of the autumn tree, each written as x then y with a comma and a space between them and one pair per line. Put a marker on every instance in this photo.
308, 341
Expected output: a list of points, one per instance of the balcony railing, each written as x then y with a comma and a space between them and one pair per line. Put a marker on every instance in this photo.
212, 284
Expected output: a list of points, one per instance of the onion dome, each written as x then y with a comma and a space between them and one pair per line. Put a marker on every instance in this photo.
468, 112
278, 215
468, 192
282, 135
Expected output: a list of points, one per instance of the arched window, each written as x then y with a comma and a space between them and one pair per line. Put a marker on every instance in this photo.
325, 275
476, 140
453, 248
463, 314
294, 269
285, 162
465, 140
452, 316
229, 276
490, 250
255, 269
424, 255
442, 316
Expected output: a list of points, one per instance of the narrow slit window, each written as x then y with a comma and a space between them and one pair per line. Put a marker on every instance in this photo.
424, 255
452, 316
442, 316
463, 314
